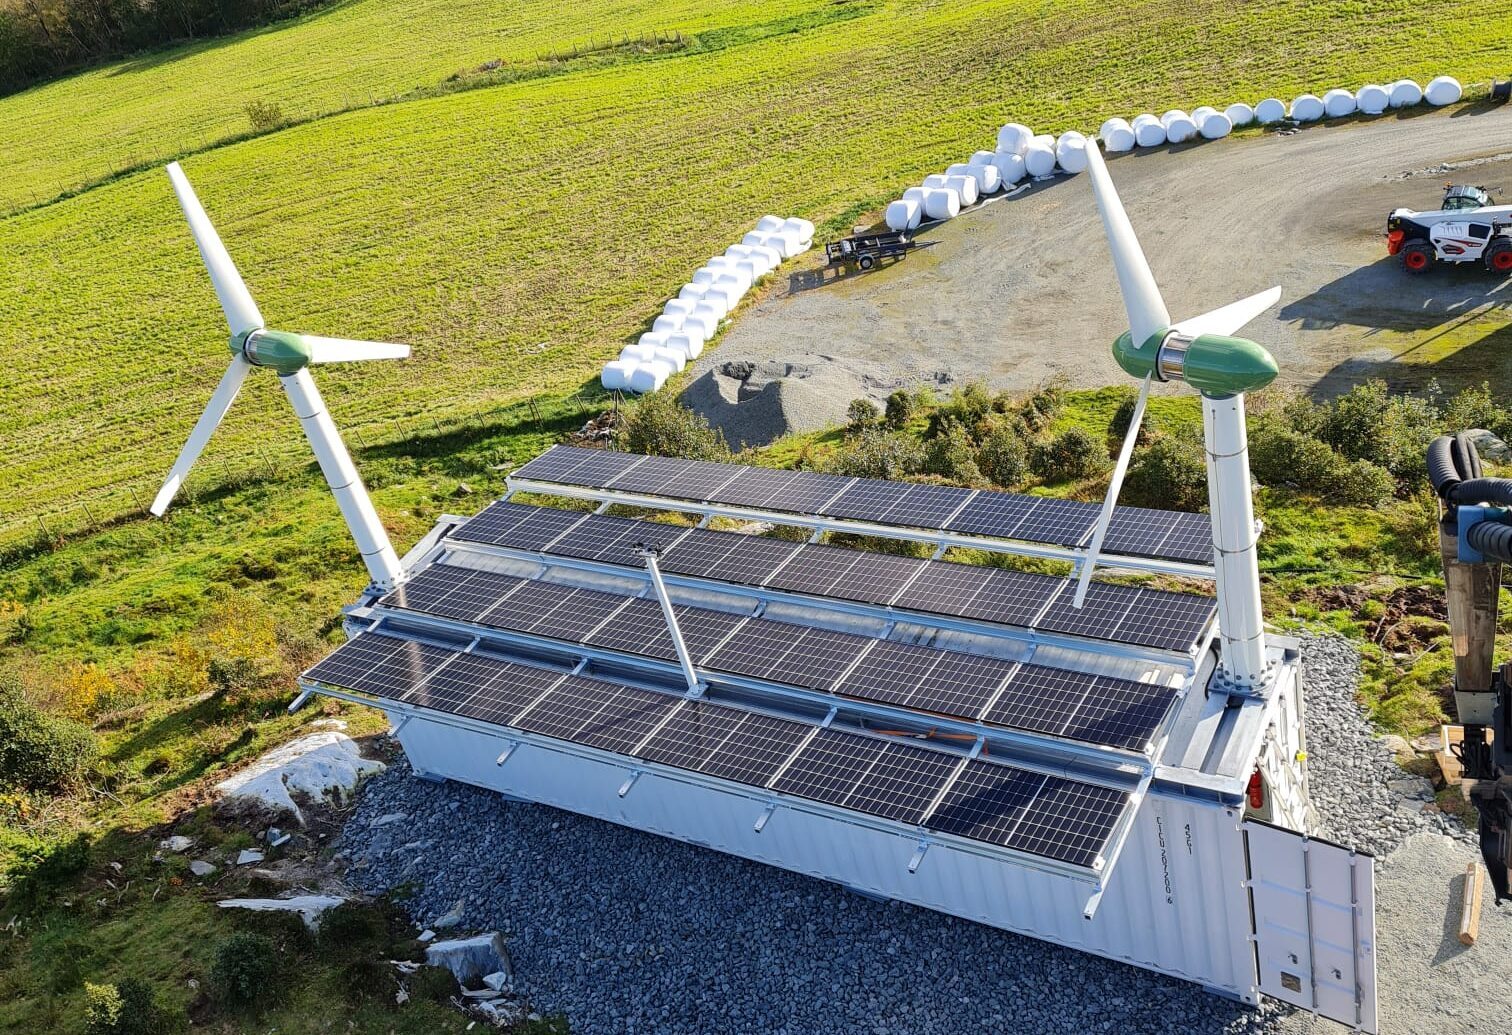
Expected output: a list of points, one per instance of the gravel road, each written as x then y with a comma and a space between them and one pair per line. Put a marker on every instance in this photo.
1022, 289
627, 932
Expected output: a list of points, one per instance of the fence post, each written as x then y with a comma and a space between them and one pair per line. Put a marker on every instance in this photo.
89, 514
272, 471
134, 497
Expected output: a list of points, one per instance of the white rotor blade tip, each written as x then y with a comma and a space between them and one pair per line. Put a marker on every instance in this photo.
235, 300
344, 350
1141, 296
1229, 319
215, 410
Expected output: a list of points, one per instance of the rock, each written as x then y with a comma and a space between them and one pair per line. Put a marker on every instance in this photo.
462, 489
248, 856
1412, 787
200, 868
1428, 743
309, 907
426, 935
469, 959
389, 817
317, 764
176, 843
452, 918
498, 980
1489, 446
1396, 745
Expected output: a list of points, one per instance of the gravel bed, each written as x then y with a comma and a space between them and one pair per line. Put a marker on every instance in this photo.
627, 932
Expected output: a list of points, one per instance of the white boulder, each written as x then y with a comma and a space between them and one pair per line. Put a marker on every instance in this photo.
309, 907
472, 959
318, 765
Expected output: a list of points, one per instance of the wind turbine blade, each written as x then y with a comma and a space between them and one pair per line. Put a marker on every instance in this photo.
1146, 309
342, 350
235, 300
1114, 485
220, 401
1230, 318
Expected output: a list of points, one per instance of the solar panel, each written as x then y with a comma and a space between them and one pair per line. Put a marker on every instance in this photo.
1173, 621
1040, 699
1061, 522
889, 673
1102, 610
902, 782
494, 522
538, 530
680, 479
698, 553
941, 588
806, 493
875, 578
569, 707
819, 657
729, 743
613, 539
753, 487
1069, 821
691, 735
752, 560
829, 767
986, 802
926, 506
1141, 532
813, 570
1190, 539
756, 650
1121, 713
996, 514
578, 614
574, 465
526, 606
377, 664
866, 499
487, 689
1011, 597
625, 719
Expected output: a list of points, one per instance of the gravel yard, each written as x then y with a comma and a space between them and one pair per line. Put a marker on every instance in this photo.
627, 932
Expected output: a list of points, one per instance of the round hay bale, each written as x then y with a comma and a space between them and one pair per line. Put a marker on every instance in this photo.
679, 306
989, 180
704, 278
934, 181
1241, 114
757, 238
734, 280
1307, 108
903, 214
690, 345
1148, 130
1372, 98
1444, 90
700, 326
1405, 93
1270, 111
693, 292
1338, 103
916, 194
616, 375
652, 339
941, 203
638, 353
769, 256
981, 158
720, 301
1215, 126
768, 223
648, 377
1039, 160
674, 357
1071, 152
802, 227
1014, 138
1201, 112
1178, 125
1048, 139
668, 323
1009, 164
1117, 136
965, 186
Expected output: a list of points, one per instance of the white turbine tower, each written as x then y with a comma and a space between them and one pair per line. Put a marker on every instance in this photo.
288, 355
1202, 352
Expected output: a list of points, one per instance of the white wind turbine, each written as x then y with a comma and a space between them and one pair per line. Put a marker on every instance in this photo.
1202, 352
287, 355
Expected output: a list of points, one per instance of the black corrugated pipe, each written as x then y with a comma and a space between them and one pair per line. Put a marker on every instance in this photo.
1492, 539
1497, 491
1468, 459
1443, 473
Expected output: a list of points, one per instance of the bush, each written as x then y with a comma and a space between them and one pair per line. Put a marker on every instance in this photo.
951, 454
129, 1008
432, 984
264, 116
1042, 406
877, 454
1282, 456
1363, 484
102, 1009
968, 407
901, 407
246, 970
1004, 457
1119, 426
662, 426
1073, 454
40, 752
351, 929
861, 414
1170, 474
1368, 423
1474, 408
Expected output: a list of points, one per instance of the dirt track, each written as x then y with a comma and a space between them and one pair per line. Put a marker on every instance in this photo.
1021, 289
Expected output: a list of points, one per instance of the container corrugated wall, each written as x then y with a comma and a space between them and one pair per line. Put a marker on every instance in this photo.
1175, 902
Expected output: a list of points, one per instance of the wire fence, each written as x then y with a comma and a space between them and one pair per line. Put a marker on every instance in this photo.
215, 474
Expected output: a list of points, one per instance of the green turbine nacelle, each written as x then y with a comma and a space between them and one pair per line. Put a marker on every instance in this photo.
280, 351
1215, 364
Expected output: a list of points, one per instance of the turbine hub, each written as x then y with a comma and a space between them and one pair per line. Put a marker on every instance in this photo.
280, 351
1215, 364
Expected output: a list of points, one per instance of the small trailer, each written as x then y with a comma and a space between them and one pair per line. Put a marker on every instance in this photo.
867, 250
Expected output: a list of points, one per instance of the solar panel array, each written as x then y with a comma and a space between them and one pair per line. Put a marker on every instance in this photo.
1054, 702
1057, 818
1133, 531
1121, 614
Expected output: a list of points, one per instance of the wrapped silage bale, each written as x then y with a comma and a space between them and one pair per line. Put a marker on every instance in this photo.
1039, 159
788, 243
704, 277
1071, 152
903, 214
1014, 138
981, 158
1444, 90
1010, 166
1201, 112
675, 306
701, 326
690, 345
1149, 131
986, 177
758, 239
731, 268
1405, 93
770, 257
1215, 125
1117, 136
1270, 111
616, 375
673, 357
648, 377
1240, 114
667, 323
941, 203
1307, 107
802, 227
693, 292
653, 339
1338, 103
732, 281
766, 224
965, 186
1372, 98
1178, 125
720, 300
637, 353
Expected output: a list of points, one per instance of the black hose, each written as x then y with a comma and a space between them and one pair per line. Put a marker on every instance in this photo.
1468, 459
1497, 491
1443, 473
1492, 539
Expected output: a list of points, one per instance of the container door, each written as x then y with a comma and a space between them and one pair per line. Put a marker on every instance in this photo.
1313, 905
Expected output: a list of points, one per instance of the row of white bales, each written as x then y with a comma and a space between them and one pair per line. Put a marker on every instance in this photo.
688, 321
1023, 153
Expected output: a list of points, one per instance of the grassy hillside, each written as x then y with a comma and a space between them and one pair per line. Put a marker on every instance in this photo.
518, 233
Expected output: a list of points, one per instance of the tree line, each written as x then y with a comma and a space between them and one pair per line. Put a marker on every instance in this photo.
43, 39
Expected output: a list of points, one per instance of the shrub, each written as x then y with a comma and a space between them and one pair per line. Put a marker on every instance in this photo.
102, 1008
40, 752
1003, 457
901, 406
1042, 405
662, 426
1363, 484
1474, 408
432, 984
1074, 453
264, 116
877, 454
968, 407
1171, 474
351, 929
1281, 456
951, 454
129, 1008
861, 414
1119, 426
1368, 423
246, 970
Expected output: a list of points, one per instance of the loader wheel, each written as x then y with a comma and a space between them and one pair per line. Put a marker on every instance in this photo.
1499, 256
1417, 256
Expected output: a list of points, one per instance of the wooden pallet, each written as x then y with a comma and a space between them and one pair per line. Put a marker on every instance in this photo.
1449, 765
